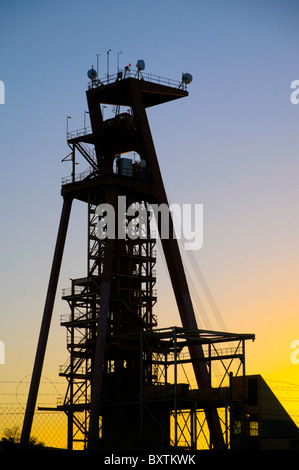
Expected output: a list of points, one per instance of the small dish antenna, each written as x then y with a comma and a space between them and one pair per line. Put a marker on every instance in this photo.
92, 74
187, 78
140, 65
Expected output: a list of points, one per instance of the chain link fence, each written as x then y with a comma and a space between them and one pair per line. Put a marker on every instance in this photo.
50, 427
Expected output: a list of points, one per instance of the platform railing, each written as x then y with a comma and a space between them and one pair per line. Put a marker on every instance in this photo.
79, 132
78, 177
122, 74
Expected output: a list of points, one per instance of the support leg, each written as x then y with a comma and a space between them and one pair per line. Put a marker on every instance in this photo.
174, 263
46, 321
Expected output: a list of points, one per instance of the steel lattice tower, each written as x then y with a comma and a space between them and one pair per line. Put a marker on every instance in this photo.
111, 308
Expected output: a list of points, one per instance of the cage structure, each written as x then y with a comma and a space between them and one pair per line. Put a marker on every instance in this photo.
160, 405
108, 376
170, 409
132, 298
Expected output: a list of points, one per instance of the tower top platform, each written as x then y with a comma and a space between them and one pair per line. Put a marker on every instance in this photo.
155, 90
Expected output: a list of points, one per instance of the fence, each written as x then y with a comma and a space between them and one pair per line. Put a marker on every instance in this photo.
50, 427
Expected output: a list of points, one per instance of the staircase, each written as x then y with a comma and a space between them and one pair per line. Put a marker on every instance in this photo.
87, 154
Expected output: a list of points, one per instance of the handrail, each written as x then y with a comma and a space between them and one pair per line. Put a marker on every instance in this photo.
72, 290
127, 73
79, 132
79, 177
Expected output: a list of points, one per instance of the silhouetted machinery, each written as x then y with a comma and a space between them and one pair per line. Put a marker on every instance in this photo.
123, 389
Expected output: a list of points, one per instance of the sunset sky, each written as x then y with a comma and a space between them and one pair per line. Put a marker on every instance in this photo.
231, 145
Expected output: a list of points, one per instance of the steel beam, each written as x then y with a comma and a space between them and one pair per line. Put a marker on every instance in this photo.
46, 321
173, 257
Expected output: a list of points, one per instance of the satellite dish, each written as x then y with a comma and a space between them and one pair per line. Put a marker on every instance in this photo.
140, 65
187, 78
92, 74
